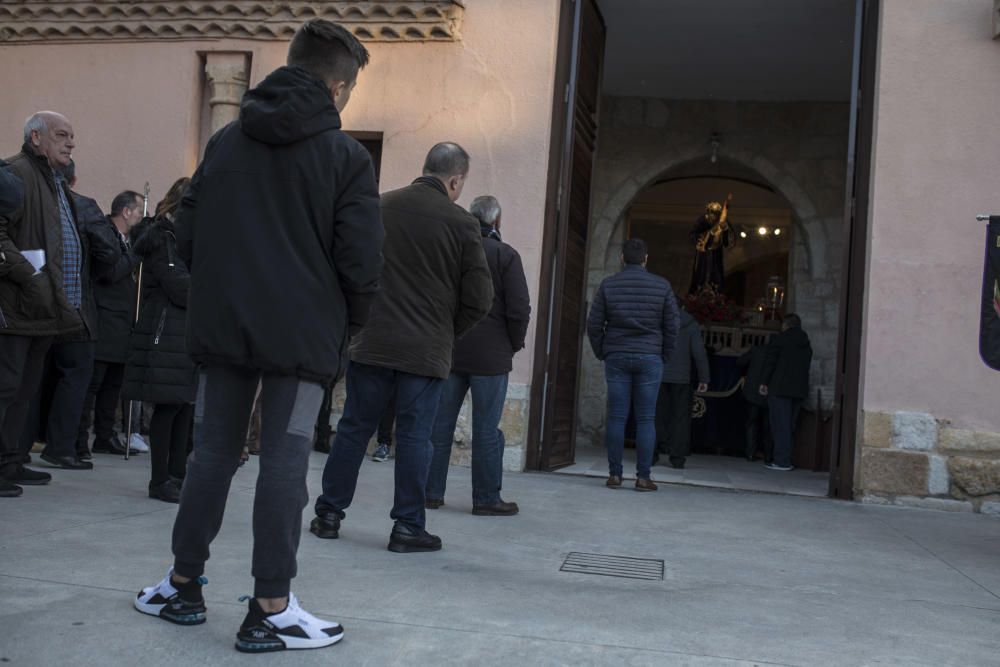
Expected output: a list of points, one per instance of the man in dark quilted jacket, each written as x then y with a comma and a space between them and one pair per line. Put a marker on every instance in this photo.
632, 327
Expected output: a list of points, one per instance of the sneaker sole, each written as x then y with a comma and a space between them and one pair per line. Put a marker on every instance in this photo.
379, 460
409, 548
285, 643
196, 618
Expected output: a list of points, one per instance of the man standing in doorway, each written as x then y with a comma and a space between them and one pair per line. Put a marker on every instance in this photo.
673, 406
483, 360
632, 327
114, 293
435, 287
785, 382
40, 282
280, 227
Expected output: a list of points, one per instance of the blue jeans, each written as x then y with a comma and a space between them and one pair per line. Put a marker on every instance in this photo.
633, 381
369, 390
488, 394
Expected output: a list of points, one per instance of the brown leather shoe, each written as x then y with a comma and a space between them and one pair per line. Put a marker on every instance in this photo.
614, 482
502, 508
645, 485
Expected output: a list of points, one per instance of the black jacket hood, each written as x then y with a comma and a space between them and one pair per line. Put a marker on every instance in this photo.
288, 106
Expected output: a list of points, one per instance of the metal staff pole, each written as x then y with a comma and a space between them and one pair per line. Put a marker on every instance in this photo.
135, 319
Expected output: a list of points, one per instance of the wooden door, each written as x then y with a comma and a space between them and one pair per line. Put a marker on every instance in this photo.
847, 408
564, 263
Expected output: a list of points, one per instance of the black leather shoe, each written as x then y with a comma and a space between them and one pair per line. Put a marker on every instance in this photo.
168, 491
83, 454
502, 508
408, 539
677, 462
113, 446
20, 475
9, 490
67, 462
433, 503
325, 526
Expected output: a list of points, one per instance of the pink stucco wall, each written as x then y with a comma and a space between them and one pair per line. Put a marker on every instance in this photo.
137, 110
937, 164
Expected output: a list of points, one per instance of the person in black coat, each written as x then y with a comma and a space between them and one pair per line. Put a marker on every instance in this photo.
113, 279
282, 234
482, 361
785, 382
758, 431
159, 368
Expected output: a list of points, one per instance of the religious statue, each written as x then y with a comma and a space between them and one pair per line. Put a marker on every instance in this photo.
712, 234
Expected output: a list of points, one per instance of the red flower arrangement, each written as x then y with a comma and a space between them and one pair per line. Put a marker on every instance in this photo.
708, 305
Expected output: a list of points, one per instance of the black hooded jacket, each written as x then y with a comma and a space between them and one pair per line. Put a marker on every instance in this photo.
281, 229
159, 368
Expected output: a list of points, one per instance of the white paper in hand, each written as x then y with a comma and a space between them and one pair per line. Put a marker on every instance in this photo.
35, 257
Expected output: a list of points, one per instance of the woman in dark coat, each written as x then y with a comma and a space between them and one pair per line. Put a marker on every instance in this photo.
159, 369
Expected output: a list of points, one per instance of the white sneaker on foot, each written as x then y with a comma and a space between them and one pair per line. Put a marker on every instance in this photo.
137, 443
293, 628
164, 600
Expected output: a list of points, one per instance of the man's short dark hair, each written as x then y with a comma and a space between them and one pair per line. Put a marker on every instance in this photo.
327, 51
69, 172
446, 159
126, 199
792, 321
634, 251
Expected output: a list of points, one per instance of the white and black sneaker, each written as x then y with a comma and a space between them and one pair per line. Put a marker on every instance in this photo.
178, 603
289, 629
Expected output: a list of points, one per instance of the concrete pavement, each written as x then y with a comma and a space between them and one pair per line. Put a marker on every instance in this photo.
749, 579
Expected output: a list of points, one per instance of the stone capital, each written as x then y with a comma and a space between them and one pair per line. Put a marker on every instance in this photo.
228, 75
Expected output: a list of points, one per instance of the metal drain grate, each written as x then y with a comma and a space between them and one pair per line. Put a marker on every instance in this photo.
613, 566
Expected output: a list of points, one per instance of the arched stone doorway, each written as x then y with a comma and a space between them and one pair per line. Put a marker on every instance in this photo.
811, 277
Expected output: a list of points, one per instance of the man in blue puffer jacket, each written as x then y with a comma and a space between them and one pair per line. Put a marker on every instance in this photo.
632, 327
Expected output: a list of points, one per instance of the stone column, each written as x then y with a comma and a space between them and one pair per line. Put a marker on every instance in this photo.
228, 75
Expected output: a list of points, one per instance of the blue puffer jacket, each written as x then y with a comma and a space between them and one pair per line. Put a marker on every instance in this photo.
633, 311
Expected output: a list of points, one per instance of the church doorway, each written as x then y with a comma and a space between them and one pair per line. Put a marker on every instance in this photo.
663, 107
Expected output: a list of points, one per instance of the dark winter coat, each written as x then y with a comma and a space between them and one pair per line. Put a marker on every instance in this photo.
281, 228
11, 191
87, 213
689, 345
159, 368
489, 347
786, 364
435, 287
753, 362
633, 311
35, 304
113, 280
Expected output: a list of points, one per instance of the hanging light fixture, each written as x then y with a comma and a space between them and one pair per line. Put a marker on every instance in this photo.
714, 142
743, 235
777, 232
762, 231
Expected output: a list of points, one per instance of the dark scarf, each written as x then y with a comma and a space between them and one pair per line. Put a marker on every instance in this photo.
433, 182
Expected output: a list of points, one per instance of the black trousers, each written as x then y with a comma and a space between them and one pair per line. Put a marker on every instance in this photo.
72, 364
673, 420
758, 431
169, 435
22, 360
101, 403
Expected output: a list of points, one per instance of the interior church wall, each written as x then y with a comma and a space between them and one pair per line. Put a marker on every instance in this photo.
797, 148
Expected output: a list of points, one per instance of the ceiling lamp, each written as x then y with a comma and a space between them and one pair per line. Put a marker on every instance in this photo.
762, 231
743, 235
777, 232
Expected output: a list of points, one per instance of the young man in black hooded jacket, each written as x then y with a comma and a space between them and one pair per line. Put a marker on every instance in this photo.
282, 233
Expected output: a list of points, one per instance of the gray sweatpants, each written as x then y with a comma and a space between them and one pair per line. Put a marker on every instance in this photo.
222, 413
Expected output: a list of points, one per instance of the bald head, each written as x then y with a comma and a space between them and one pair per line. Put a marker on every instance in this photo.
50, 134
449, 163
